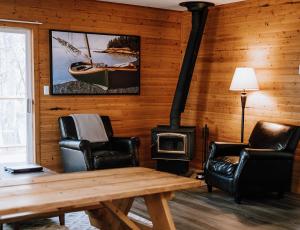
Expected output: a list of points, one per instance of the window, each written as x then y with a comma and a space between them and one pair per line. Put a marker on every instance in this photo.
15, 96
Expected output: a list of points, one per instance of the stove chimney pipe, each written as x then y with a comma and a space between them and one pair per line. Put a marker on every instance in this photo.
199, 14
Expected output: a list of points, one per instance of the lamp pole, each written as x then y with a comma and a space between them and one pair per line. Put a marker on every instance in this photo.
243, 101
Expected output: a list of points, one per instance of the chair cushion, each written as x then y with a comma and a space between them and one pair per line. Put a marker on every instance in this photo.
267, 135
111, 159
225, 165
98, 146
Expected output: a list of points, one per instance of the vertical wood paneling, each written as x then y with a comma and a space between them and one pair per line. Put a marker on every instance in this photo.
260, 34
160, 33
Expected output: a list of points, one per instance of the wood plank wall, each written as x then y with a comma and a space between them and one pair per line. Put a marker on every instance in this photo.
263, 34
160, 32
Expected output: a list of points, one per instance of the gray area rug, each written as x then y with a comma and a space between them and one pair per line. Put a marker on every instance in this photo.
74, 221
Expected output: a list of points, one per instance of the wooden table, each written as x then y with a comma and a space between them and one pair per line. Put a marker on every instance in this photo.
16, 178
107, 194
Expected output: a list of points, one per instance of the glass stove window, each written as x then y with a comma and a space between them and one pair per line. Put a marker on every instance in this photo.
171, 143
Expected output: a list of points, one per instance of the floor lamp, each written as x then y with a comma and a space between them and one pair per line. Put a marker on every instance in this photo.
244, 79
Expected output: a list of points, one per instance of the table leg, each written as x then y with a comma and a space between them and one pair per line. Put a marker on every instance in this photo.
159, 211
104, 219
121, 216
1, 226
61, 219
16, 226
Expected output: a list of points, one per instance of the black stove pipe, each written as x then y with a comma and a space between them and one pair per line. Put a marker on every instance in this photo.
199, 14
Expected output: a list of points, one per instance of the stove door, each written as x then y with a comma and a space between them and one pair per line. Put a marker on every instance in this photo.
173, 143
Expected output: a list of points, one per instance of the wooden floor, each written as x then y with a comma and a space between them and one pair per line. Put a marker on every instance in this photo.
198, 209
193, 210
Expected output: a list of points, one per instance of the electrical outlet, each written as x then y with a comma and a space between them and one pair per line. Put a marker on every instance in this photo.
46, 90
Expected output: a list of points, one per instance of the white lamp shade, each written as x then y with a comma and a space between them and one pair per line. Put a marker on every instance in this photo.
244, 79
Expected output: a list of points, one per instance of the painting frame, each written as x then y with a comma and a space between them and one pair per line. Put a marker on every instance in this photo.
114, 91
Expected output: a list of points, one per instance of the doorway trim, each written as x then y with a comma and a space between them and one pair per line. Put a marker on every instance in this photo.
33, 31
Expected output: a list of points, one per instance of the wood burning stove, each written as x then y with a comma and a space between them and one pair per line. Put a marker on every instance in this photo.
173, 146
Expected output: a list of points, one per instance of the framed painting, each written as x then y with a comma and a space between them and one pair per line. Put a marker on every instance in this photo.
93, 63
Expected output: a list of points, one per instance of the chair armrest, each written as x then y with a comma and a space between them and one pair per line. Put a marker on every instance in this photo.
75, 144
262, 164
265, 154
70, 149
225, 149
127, 144
126, 141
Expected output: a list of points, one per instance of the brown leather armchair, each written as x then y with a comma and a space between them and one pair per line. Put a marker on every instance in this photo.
82, 155
263, 165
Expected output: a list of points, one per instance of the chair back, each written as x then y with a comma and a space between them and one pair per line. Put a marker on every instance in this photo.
281, 137
68, 128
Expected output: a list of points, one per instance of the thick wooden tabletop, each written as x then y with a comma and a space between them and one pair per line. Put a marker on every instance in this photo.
71, 190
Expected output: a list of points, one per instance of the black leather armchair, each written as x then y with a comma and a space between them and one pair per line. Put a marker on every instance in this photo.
82, 155
263, 165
